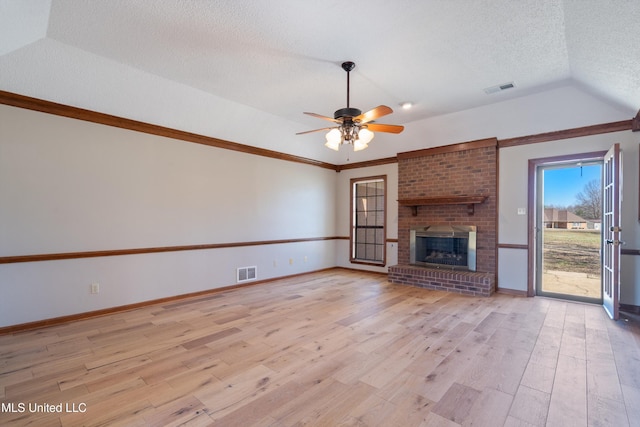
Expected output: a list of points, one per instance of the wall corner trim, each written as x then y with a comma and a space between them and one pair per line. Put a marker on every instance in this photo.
635, 123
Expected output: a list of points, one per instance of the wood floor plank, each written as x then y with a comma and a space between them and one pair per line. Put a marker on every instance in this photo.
631, 399
547, 347
598, 345
606, 412
568, 405
259, 409
539, 377
456, 403
573, 346
496, 368
179, 412
184, 384
335, 348
490, 322
411, 411
556, 315
452, 367
313, 400
337, 407
602, 379
627, 354
516, 422
370, 412
234, 392
490, 409
530, 407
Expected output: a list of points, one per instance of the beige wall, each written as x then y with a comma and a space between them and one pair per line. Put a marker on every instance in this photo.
74, 186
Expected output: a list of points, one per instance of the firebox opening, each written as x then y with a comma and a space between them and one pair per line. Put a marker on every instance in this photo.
448, 247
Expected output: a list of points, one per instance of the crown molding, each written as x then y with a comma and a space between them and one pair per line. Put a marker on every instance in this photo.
49, 107
567, 133
35, 104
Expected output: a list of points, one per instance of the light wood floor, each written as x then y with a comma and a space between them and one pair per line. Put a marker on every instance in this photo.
337, 348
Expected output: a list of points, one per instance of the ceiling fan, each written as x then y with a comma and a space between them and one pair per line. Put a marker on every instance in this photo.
354, 126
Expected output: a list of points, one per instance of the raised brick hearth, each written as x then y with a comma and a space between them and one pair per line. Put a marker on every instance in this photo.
460, 170
461, 282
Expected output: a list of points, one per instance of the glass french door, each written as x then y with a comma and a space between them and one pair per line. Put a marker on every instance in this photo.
612, 183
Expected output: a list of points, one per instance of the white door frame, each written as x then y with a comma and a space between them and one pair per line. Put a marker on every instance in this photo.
540, 230
532, 235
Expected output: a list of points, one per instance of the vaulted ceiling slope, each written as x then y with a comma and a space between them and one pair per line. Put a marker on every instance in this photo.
246, 70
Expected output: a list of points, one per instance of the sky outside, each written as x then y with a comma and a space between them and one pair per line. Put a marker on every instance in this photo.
562, 185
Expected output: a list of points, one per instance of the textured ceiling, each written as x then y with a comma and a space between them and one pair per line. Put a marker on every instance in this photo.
283, 56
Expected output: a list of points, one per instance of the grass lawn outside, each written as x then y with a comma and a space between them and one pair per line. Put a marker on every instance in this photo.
571, 262
572, 250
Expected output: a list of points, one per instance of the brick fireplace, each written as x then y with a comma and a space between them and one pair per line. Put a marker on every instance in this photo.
454, 186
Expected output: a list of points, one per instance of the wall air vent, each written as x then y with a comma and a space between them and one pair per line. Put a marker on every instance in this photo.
499, 88
245, 274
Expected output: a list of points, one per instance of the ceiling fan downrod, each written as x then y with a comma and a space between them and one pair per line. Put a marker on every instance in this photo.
347, 112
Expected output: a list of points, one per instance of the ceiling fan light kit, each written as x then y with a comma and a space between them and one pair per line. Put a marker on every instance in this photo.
354, 127
359, 138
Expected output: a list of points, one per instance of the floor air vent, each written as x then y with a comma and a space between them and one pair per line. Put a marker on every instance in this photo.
247, 273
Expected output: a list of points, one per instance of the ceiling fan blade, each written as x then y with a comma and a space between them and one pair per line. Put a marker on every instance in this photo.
324, 117
315, 130
379, 111
377, 127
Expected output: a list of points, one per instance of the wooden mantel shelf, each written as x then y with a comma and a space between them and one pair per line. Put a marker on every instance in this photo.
470, 201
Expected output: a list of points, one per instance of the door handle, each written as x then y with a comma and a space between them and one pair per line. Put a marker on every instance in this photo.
615, 242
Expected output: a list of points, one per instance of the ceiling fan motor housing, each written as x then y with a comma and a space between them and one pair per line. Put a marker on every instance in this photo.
346, 113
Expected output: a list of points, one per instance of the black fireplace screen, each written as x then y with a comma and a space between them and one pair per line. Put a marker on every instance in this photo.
441, 250
443, 246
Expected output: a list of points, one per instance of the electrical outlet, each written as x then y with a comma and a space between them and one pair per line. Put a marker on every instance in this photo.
290, 261
522, 211
275, 263
95, 288
305, 258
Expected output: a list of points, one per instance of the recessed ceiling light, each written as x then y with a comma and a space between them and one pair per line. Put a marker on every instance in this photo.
406, 105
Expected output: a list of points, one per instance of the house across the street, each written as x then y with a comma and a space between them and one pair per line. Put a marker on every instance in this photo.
562, 218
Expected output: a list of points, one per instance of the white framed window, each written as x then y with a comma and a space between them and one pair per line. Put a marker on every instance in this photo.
368, 220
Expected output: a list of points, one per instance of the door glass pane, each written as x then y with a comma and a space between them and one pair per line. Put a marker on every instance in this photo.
570, 237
